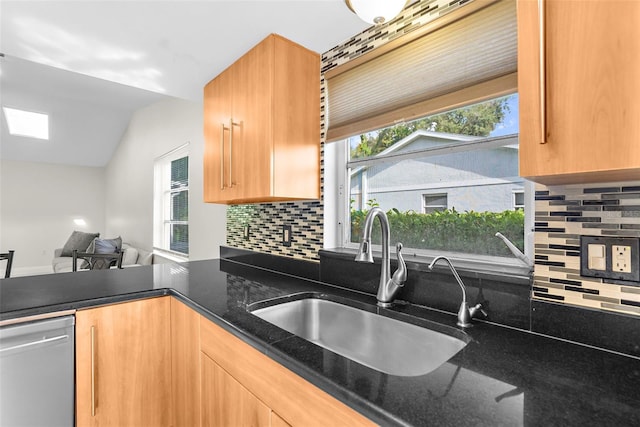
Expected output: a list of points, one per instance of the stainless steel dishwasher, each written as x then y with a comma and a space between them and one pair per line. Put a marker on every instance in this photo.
37, 373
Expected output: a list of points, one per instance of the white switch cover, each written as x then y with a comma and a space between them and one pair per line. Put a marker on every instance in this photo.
597, 257
621, 258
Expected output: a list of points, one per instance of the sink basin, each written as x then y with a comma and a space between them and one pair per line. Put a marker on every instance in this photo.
388, 345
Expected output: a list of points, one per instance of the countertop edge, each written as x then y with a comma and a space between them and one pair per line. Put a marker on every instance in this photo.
351, 399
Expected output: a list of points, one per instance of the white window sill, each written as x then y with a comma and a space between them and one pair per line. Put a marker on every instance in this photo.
170, 255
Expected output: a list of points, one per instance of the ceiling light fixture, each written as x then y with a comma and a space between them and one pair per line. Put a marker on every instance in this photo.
27, 123
376, 11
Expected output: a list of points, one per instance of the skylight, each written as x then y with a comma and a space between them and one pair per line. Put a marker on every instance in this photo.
27, 123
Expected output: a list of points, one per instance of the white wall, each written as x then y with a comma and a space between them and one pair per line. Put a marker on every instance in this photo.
152, 132
38, 203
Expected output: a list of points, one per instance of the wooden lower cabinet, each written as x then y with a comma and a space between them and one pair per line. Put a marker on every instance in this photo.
185, 365
123, 352
226, 402
156, 362
265, 392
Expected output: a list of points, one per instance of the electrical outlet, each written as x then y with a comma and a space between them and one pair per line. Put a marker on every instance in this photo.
621, 258
613, 258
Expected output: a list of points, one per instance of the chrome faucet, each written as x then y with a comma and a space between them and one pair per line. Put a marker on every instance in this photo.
389, 285
465, 314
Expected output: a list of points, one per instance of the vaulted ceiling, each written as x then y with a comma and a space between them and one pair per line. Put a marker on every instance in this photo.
91, 64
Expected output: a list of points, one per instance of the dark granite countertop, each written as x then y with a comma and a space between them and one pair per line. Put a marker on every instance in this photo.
503, 377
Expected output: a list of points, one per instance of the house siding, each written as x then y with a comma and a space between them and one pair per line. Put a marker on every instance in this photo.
480, 181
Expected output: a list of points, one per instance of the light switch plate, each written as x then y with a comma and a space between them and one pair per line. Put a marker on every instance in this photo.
597, 256
286, 235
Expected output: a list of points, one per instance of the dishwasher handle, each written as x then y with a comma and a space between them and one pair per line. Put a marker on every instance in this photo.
34, 343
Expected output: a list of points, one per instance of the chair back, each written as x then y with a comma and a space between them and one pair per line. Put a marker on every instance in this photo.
97, 261
9, 257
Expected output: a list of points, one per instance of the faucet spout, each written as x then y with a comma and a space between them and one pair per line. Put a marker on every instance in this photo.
464, 315
389, 285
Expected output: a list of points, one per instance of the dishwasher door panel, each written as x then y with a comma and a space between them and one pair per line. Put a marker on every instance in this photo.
37, 373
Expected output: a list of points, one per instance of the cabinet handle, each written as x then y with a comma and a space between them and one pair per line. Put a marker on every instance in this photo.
222, 156
93, 371
231, 125
543, 71
231, 152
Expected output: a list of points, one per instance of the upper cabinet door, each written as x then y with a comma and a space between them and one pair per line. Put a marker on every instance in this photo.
263, 144
217, 117
252, 114
578, 71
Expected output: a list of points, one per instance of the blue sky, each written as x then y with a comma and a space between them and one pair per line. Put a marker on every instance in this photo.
510, 124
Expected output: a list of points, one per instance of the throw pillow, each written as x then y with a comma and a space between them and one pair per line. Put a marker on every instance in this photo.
107, 246
79, 241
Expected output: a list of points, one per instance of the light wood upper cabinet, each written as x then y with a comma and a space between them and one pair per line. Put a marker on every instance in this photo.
217, 115
589, 98
123, 355
262, 126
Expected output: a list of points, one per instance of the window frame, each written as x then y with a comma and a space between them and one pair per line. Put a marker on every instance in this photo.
337, 216
516, 206
162, 202
434, 208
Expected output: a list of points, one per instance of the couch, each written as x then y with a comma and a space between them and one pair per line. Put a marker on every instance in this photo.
133, 257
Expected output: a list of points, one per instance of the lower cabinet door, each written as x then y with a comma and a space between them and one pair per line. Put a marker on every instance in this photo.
226, 402
260, 382
123, 364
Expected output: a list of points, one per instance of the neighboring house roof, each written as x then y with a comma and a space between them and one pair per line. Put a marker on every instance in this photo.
437, 138
409, 139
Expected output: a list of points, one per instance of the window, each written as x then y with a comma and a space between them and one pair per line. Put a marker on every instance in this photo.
518, 200
171, 213
448, 181
428, 131
434, 202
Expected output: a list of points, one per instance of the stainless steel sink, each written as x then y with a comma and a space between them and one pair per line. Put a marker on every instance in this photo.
382, 343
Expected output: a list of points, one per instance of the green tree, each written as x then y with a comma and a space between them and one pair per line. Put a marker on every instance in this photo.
475, 120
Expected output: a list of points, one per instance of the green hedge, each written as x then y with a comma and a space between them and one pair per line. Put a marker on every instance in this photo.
449, 230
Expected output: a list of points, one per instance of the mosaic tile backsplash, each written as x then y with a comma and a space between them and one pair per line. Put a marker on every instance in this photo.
266, 220
563, 214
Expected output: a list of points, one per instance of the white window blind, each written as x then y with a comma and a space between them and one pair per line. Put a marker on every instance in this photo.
407, 82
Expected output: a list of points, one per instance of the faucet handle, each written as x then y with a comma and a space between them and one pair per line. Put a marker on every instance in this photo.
477, 308
400, 275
